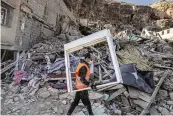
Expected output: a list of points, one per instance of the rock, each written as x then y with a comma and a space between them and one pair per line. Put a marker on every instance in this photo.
2, 92
48, 103
105, 96
126, 109
169, 102
163, 111
55, 109
14, 109
80, 113
16, 99
21, 96
153, 111
24, 89
18, 111
171, 95
96, 104
63, 96
99, 111
139, 108
43, 93
162, 94
53, 92
80, 104
95, 95
126, 94
10, 101
14, 88
41, 105
64, 102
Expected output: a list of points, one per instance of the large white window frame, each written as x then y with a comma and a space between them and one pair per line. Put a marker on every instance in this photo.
87, 41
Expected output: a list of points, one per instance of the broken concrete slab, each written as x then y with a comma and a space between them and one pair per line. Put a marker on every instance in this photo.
117, 93
153, 111
105, 96
163, 111
141, 103
125, 101
135, 93
95, 95
53, 92
126, 109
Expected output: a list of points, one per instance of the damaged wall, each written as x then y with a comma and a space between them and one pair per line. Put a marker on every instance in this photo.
38, 18
8, 29
114, 15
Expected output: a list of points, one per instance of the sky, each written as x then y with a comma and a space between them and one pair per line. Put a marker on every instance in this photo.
140, 2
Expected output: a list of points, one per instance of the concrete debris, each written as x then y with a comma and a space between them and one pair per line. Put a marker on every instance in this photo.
95, 95
117, 93
35, 82
43, 93
163, 111
171, 95
162, 94
64, 102
153, 111
141, 103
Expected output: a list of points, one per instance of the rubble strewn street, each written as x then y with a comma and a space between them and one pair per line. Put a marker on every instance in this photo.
34, 83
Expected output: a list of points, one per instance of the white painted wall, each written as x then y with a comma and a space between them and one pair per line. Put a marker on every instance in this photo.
166, 34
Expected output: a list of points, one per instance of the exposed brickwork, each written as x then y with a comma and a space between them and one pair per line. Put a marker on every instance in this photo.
44, 18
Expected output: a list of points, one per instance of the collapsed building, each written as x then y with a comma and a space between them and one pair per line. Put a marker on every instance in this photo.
35, 81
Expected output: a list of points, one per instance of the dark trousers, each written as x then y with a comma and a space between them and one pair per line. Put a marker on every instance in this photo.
83, 95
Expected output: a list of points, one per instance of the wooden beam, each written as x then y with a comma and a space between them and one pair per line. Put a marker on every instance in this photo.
155, 93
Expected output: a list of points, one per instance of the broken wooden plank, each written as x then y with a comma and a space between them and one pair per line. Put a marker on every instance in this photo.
8, 67
159, 66
107, 87
117, 93
118, 86
155, 92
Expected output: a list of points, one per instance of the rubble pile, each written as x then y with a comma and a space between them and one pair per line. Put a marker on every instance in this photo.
118, 16
38, 81
163, 9
148, 54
